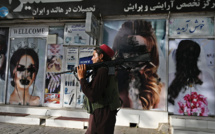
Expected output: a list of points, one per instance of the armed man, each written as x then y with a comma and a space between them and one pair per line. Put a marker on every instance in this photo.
101, 93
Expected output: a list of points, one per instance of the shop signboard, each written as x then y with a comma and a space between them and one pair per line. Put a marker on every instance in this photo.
13, 9
29, 31
191, 26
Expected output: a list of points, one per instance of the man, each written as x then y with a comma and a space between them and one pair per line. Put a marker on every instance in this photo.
102, 97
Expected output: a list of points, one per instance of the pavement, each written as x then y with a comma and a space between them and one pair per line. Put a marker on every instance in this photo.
8, 128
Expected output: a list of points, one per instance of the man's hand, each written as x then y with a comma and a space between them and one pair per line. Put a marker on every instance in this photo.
81, 70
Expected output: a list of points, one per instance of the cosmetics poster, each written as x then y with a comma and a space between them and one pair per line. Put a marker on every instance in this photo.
74, 34
70, 81
54, 64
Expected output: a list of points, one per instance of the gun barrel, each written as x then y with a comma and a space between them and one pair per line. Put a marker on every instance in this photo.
141, 58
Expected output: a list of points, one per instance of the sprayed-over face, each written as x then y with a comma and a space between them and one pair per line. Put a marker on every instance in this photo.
24, 72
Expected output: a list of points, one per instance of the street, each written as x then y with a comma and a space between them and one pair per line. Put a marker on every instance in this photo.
7, 128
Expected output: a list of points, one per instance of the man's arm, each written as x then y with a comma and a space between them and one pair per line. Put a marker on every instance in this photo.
94, 90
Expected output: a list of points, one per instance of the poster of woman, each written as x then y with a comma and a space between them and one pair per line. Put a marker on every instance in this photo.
191, 89
26, 74
3, 59
143, 86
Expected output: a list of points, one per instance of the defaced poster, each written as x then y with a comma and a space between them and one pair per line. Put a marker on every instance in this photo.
27, 61
191, 90
26, 71
3, 59
141, 85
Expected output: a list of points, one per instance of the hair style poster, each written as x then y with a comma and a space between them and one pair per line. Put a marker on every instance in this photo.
26, 71
141, 85
3, 59
54, 64
191, 88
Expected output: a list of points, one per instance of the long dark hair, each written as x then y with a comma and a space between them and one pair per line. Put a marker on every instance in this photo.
17, 56
187, 71
147, 83
3, 50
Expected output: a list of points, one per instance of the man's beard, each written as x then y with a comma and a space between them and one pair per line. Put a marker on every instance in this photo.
98, 61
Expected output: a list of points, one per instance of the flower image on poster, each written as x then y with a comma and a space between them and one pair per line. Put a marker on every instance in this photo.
191, 89
25, 84
52, 98
3, 59
143, 86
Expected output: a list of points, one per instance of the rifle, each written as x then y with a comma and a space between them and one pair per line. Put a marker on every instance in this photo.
143, 58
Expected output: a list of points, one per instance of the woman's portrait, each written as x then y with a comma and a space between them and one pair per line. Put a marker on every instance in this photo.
24, 65
139, 87
3, 59
3, 50
191, 88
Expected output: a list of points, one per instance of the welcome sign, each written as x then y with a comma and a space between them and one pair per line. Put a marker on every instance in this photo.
29, 31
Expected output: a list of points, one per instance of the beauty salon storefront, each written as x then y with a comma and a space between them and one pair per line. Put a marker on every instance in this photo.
41, 39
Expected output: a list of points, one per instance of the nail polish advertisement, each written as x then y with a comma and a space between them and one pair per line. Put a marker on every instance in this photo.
53, 83
54, 58
53, 65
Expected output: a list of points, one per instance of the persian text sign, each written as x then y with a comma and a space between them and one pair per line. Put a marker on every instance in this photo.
79, 8
191, 26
